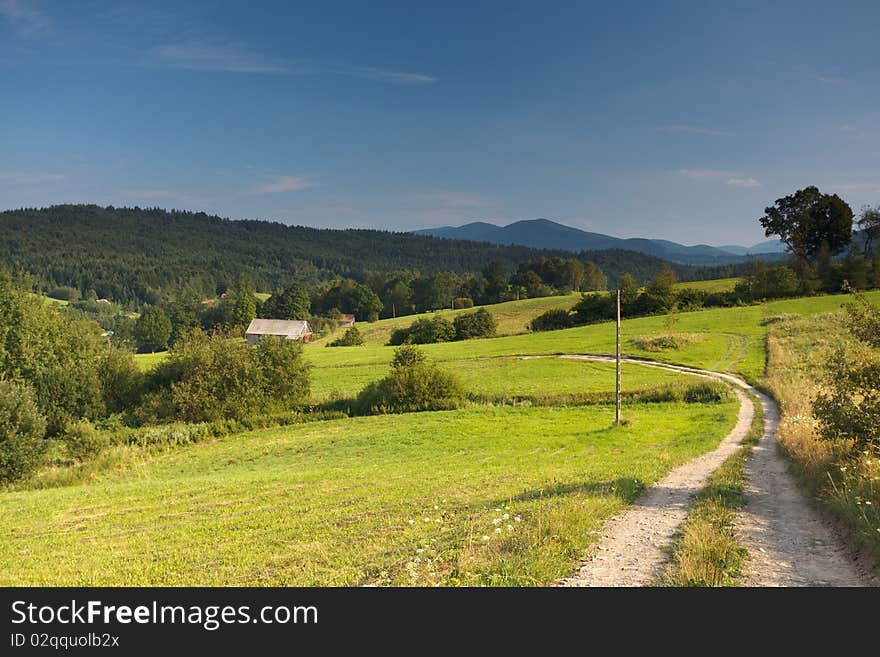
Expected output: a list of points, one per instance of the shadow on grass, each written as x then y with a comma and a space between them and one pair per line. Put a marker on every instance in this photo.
626, 488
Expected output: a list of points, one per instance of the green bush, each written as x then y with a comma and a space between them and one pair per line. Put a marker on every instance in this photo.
462, 302
324, 325
412, 385
351, 338
207, 378
552, 320
707, 392
121, 380
479, 324
408, 356
594, 307
152, 329
664, 341
64, 293
424, 331
60, 357
21, 431
84, 441
849, 406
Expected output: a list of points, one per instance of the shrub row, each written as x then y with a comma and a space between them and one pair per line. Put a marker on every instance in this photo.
478, 324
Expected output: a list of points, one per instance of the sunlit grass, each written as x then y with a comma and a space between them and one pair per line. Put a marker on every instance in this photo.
329, 503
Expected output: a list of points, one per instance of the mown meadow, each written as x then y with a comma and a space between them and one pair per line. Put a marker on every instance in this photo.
479, 496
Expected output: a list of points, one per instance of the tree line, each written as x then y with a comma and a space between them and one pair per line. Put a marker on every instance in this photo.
823, 257
148, 256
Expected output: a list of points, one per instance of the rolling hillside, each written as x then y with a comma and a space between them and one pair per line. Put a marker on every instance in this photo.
134, 254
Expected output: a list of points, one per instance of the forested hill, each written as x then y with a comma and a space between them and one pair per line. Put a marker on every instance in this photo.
129, 254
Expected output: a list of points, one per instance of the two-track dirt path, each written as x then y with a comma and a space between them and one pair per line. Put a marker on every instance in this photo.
788, 541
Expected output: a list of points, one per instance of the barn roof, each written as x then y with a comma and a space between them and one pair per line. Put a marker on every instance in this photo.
281, 327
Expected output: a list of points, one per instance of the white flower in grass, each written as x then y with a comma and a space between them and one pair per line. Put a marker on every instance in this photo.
498, 510
420, 550
496, 521
486, 537
436, 507
426, 519
411, 521
517, 518
498, 530
506, 516
507, 508
444, 501
510, 528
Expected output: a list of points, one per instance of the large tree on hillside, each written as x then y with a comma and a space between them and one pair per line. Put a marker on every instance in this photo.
807, 219
869, 221
292, 303
152, 329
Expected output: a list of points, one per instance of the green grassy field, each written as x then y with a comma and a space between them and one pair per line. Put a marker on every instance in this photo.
148, 361
512, 317
727, 339
501, 377
717, 285
731, 339
330, 503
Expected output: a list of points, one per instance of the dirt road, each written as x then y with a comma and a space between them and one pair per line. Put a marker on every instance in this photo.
788, 541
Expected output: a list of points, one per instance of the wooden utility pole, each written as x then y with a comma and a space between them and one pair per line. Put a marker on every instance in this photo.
617, 389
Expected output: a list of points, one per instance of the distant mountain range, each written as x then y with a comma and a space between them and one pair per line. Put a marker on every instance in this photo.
546, 234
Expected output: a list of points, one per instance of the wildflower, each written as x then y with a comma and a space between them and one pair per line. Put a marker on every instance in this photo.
444, 501
498, 510
498, 530
507, 508
496, 521
486, 538
506, 516
510, 528
420, 550
411, 521
426, 519
436, 507
438, 520
517, 518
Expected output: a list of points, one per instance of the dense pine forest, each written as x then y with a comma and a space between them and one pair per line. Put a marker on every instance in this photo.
138, 255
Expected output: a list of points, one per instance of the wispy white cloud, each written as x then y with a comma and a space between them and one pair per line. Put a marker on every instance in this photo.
456, 200
703, 174
25, 16
393, 77
718, 175
695, 130
284, 184
29, 177
219, 56
743, 182
234, 57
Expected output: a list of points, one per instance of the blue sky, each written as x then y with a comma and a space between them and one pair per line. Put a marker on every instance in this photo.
679, 120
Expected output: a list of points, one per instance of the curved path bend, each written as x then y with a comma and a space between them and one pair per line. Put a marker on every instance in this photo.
789, 542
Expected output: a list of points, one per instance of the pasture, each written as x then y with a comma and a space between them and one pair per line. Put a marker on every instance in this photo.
411, 499
330, 503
